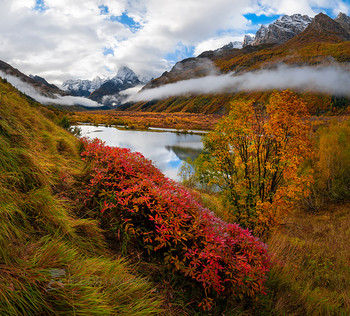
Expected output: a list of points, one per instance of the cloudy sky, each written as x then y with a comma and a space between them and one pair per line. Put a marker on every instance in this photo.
67, 39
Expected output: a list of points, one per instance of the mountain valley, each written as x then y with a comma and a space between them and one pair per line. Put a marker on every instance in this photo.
221, 187
296, 41
323, 43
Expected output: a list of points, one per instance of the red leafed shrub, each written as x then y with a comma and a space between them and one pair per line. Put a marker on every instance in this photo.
128, 193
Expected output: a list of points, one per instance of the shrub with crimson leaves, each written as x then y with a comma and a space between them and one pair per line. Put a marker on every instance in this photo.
128, 193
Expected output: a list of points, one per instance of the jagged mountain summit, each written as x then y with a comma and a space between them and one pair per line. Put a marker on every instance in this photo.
280, 31
104, 91
284, 29
81, 87
125, 74
248, 40
322, 29
344, 21
108, 92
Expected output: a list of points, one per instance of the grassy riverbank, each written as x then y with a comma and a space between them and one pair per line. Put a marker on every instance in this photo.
144, 120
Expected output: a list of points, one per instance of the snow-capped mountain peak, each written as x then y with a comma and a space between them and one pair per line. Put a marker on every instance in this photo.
125, 74
248, 39
281, 30
294, 23
97, 82
109, 90
231, 45
97, 88
82, 87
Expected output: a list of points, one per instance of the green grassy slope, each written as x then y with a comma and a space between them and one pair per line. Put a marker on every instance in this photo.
52, 263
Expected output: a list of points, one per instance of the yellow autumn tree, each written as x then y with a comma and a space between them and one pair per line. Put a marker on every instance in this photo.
255, 155
332, 162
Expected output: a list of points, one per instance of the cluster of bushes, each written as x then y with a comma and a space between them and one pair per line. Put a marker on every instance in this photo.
135, 202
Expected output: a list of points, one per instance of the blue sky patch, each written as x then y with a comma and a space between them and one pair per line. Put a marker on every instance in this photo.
329, 12
175, 163
107, 69
103, 9
259, 19
126, 20
180, 53
108, 51
40, 6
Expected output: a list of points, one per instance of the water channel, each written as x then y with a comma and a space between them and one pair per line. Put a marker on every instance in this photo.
167, 150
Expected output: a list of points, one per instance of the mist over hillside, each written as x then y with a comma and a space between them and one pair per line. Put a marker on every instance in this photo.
314, 60
294, 52
334, 80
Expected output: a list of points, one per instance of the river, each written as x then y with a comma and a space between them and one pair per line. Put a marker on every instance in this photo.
167, 150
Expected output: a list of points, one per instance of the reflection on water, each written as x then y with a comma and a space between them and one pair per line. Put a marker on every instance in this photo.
168, 151
185, 152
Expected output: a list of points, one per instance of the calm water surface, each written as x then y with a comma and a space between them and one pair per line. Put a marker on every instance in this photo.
167, 150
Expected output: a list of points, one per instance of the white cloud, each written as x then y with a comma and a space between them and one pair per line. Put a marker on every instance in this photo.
132, 91
309, 7
215, 43
331, 80
341, 7
18, 4
67, 39
56, 99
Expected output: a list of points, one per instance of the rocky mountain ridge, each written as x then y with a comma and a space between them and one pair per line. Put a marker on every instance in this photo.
38, 83
344, 21
280, 31
322, 25
124, 79
287, 27
43, 81
82, 87
105, 91
193, 66
231, 45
